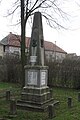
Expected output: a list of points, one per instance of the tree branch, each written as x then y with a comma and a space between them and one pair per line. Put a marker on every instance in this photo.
37, 6
50, 21
47, 7
12, 12
34, 4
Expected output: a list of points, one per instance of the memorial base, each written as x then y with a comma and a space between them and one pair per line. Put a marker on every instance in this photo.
36, 95
36, 99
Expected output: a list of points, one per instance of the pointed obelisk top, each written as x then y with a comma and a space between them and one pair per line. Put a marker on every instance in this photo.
36, 51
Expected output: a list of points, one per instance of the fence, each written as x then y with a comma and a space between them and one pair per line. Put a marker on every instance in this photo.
65, 74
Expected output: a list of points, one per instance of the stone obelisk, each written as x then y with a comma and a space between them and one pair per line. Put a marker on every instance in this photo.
36, 50
36, 93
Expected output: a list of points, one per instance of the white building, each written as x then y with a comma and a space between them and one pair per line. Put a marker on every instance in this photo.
11, 44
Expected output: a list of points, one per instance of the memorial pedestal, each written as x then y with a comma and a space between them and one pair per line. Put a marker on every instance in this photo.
36, 94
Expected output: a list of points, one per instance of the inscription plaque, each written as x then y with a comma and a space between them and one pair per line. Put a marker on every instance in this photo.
43, 77
32, 78
33, 59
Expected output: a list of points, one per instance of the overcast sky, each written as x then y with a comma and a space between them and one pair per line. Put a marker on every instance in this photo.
68, 40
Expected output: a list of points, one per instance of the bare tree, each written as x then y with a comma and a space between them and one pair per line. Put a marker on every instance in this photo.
50, 10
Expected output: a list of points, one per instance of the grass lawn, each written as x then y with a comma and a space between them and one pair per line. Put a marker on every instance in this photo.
62, 111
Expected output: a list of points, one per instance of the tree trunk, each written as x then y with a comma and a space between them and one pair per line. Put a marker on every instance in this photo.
22, 43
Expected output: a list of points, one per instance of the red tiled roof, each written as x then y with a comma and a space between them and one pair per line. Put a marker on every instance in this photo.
51, 46
14, 40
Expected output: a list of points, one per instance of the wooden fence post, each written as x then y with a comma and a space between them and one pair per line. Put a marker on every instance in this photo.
51, 111
69, 102
13, 107
8, 95
78, 96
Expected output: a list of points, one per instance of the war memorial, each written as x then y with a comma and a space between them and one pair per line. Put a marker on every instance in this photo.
36, 95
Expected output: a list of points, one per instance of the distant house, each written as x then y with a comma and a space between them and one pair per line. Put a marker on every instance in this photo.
11, 45
73, 56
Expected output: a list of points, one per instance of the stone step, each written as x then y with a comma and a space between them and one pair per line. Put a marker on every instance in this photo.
35, 107
37, 103
30, 107
24, 93
35, 97
36, 90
